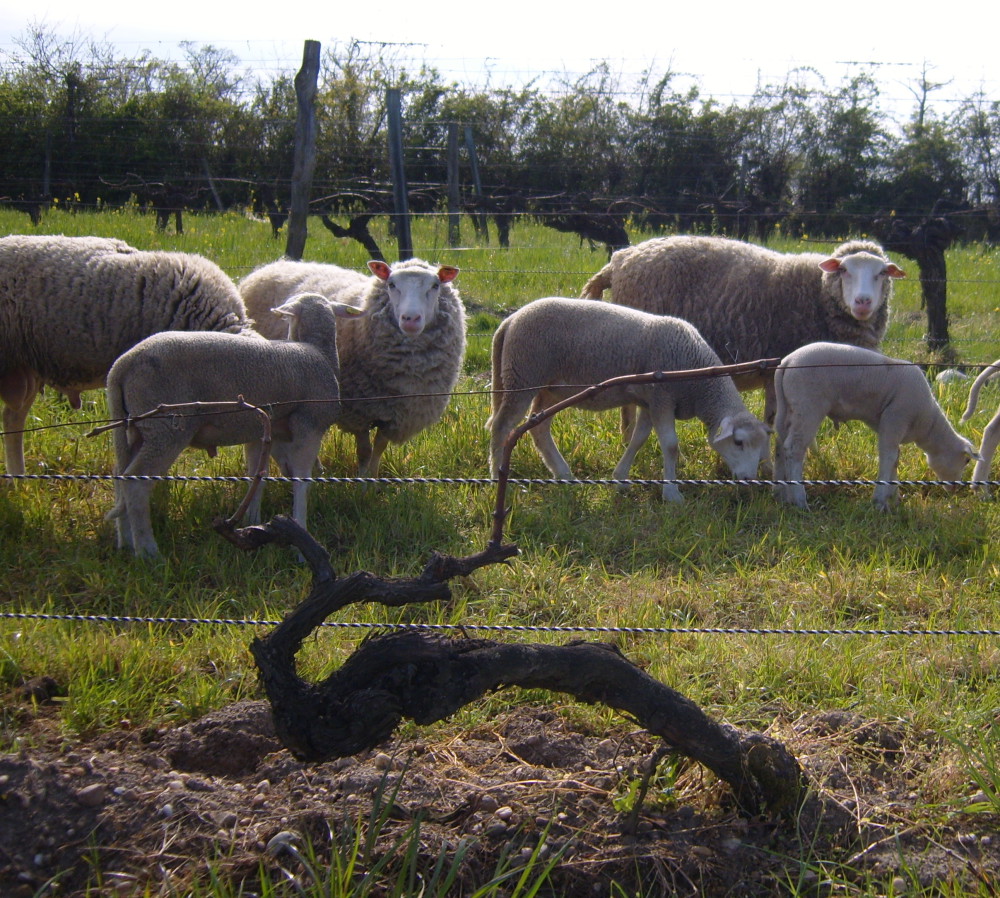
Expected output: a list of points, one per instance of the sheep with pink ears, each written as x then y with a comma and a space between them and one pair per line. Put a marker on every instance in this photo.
399, 363
749, 302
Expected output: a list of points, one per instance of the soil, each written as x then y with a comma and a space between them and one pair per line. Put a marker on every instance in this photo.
154, 811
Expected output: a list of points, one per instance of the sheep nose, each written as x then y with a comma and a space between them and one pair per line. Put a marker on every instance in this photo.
412, 324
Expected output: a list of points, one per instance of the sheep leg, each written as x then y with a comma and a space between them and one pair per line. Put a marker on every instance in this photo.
137, 495
18, 391
252, 452
152, 454
504, 419
666, 433
379, 447
363, 445
297, 459
888, 463
642, 426
541, 435
991, 437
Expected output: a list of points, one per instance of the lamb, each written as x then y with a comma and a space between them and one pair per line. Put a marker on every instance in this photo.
69, 306
400, 363
848, 383
991, 435
552, 348
297, 380
753, 303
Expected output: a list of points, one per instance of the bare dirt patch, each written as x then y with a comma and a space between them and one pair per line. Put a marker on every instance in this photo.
154, 810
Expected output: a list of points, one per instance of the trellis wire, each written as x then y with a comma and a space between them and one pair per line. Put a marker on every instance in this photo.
517, 628
489, 481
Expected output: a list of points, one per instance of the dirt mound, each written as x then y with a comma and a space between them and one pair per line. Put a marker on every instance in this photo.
154, 810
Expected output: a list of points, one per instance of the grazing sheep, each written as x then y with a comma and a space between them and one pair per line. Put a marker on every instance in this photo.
552, 348
991, 435
296, 380
69, 306
848, 383
400, 363
753, 303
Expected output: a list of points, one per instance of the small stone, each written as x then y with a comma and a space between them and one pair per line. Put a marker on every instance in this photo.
488, 804
166, 812
496, 829
505, 813
898, 885
280, 842
382, 761
226, 819
92, 796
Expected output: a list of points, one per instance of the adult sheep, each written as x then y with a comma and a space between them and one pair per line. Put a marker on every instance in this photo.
398, 364
753, 303
69, 306
549, 349
296, 380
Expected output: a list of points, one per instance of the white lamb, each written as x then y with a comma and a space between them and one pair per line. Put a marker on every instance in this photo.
69, 306
296, 381
753, 303
400, 363
552, 348
991, 435
848, 383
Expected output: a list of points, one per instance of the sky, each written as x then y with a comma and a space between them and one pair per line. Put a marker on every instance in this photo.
725, 48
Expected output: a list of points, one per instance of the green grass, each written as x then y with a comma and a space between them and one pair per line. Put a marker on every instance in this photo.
726, 558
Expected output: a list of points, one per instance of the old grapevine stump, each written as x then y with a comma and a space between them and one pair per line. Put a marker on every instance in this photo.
426, 677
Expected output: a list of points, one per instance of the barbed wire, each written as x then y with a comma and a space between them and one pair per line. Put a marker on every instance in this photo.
505, 628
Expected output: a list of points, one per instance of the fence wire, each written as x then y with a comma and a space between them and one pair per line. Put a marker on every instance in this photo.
504, 628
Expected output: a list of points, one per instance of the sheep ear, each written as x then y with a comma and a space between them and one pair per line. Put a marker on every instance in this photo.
894, 271
379, 269
343, 310
725, 429
973, 454
447, 273
830, 265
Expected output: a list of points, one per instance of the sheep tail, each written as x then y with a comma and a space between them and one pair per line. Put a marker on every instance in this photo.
985, 375
496, 376
595, 287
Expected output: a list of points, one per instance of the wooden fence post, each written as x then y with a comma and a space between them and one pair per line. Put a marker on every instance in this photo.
304, 163
393, 103
454, 211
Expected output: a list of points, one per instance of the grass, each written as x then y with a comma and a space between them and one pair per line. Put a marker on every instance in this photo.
726, 559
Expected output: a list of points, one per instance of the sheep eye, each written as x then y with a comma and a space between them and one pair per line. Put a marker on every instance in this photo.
738, 443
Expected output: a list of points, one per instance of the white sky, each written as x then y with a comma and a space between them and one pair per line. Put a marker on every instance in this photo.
724, 46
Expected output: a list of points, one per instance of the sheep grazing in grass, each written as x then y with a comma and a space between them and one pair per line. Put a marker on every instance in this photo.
552, 348
848, 383
991, 435
400, 363
295, 380
753, 303
69, 306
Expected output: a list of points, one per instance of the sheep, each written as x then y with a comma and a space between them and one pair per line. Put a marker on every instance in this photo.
400, 363
69, 306
849, 383
991, 435
552, 348
753, 303
296, 379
